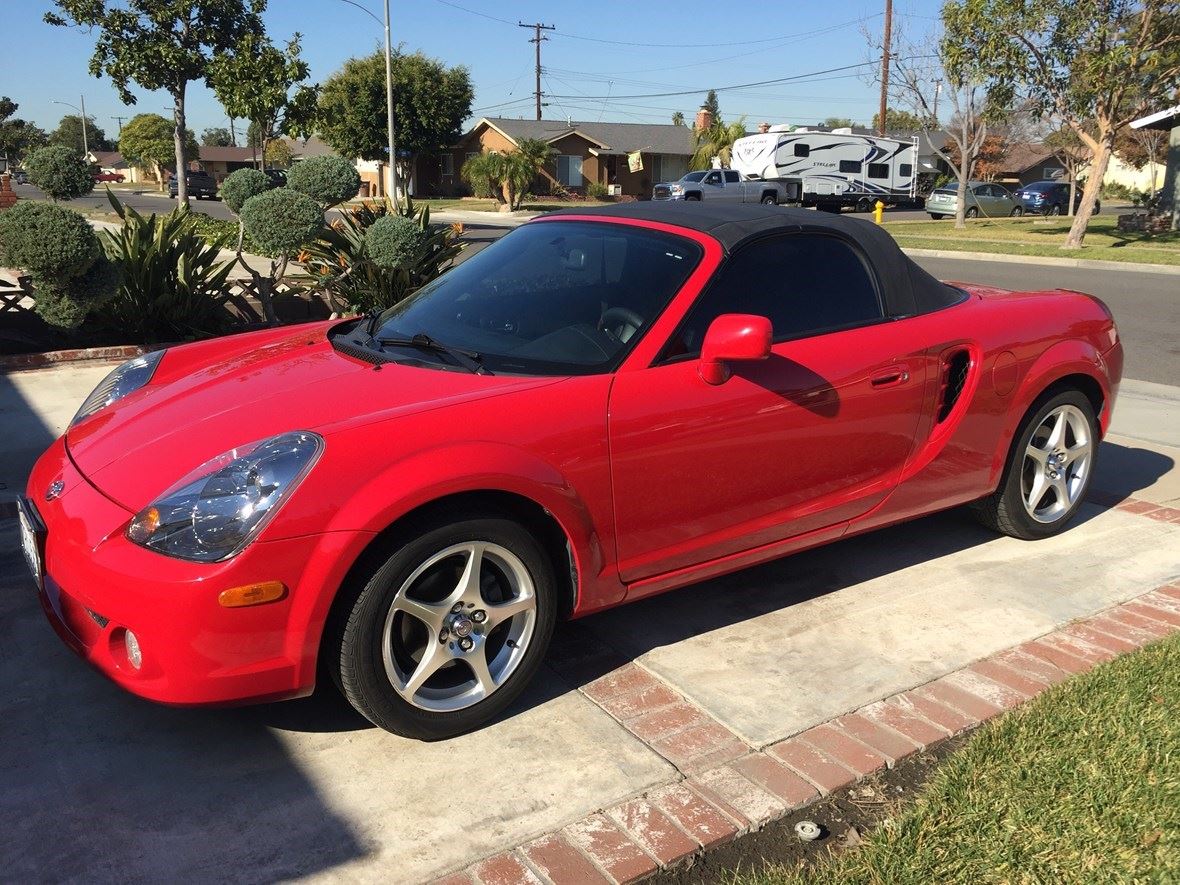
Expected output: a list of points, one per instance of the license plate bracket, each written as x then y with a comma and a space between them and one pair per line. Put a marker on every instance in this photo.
32, 539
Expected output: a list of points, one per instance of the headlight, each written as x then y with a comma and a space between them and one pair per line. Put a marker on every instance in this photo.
125, 379
217, 509
677, 188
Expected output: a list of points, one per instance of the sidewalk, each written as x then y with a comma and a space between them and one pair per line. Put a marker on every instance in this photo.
655, 729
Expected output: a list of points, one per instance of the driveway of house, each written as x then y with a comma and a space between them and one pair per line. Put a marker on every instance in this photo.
99, 785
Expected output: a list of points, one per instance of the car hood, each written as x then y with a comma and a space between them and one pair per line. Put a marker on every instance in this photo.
210, 397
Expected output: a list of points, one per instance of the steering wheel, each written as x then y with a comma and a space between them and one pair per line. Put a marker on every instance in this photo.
620, 323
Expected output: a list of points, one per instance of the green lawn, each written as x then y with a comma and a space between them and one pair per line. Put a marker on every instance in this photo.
1027, 236
1080, 785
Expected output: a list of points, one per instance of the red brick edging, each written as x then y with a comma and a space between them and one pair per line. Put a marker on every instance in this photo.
16, 361
729, 791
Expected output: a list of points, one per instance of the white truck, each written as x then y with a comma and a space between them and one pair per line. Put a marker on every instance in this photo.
723, 184
834, 169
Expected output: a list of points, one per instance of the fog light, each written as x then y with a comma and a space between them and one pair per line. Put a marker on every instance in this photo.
131, 645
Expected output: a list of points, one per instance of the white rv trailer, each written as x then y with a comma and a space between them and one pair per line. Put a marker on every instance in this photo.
833, 169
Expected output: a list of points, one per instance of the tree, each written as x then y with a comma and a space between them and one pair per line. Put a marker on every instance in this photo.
716, 141
217, 136
278, 155
989, 160
900, 121
839, 123
711, 104
1143, 147
147, 141
677, 119
430, 103
1073, 154
1104, 62
16, 136
507, 176
264, 84
69, 133
161, 44
60, 171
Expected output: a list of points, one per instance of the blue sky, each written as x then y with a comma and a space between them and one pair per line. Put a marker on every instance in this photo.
616, 48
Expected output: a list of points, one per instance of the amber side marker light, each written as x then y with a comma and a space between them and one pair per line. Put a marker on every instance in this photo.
252, 594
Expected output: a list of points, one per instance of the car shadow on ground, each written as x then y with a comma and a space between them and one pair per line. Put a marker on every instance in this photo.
101, 786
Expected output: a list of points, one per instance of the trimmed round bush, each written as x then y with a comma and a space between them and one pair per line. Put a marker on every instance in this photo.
65, 302
240, 186
47, 240
281, 221
394, 241
327, 180
60, 172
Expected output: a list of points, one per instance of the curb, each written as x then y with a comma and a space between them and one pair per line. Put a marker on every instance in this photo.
727, 787
1084, 263
18, 361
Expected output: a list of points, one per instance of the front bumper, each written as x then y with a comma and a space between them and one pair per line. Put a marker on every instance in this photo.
98, 585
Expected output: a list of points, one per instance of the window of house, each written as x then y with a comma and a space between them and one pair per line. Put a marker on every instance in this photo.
878, 170
905, 170
802, 150
806, 284
446, 164
850, 166
732, 177
569, 170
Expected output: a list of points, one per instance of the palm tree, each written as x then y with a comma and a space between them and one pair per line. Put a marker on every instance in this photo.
507, 177
716, 141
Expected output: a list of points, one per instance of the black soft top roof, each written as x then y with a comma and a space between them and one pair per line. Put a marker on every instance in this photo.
908, 288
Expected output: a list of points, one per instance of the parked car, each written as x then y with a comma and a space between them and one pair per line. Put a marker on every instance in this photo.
605, 404
983, 200
721, 184
1051, 198
19, 176
108, 176
200, 185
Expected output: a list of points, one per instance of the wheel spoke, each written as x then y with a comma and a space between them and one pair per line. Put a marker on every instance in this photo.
468, 587
430, 615
478, 661
1039, 486
433, 657
1057, 435
1039, 455
498, 614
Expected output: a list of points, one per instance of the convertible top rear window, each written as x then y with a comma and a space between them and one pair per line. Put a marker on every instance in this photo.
550, 298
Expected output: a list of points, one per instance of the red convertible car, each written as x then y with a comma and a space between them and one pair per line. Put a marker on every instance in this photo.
604, 404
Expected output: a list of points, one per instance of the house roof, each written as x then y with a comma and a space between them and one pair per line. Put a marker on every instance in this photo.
620, 138
108, 159
1024, 156
1165, 119
225, 154
304, 149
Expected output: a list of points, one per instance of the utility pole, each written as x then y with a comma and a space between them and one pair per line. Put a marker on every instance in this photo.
885, 65
85, 143
937, 93
119, 120
537, 38
389, 112
233, 133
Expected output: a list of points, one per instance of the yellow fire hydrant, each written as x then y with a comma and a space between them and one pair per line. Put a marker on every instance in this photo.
878, 211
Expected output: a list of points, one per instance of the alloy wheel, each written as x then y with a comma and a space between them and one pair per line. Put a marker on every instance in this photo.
459, 626
1056, 466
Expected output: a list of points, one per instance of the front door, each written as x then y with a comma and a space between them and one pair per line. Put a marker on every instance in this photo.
812, 437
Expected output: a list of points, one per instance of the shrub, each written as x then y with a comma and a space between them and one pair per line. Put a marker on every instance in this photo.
47, 240
327, 180
66, 302
60, 172
281, 220
171, 285
394, 241
596, 190
241, 185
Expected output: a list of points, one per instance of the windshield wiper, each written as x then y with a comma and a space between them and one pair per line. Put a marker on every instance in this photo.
468, 359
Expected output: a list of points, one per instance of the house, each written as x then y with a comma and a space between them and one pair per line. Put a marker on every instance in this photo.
1025, 163
1167, 121
221, 161
108, 161
585, 152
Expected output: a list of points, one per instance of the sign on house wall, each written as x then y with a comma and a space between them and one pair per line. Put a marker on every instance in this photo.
635, 161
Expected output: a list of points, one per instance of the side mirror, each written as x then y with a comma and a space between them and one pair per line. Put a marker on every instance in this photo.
732, 337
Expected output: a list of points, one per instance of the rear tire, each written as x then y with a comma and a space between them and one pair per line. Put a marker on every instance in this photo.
769, 200
1016, 212
1049, 469
937, 216
1054, 210
864, 204
972, 212
423, 649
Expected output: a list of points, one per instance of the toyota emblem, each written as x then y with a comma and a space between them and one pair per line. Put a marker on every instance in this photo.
55, 489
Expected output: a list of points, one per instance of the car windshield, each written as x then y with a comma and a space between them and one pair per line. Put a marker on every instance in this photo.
1040, 186
549, 298
694, 176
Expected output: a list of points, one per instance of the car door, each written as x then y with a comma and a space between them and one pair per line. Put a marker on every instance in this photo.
735, 190
713, 186
810, 438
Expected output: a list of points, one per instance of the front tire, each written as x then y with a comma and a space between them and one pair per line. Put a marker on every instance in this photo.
1016, 212
1048, 471
972, 212
937, 216
444, 634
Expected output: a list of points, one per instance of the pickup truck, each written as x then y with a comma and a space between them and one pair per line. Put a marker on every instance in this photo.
721, 184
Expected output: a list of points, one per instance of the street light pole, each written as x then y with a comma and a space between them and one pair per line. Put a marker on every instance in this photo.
85, 144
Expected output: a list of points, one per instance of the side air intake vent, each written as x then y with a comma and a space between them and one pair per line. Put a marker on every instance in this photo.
955, 366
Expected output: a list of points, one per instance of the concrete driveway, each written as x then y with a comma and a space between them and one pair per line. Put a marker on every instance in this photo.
101, 786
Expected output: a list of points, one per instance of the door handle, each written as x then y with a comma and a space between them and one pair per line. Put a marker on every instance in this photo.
890, 377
